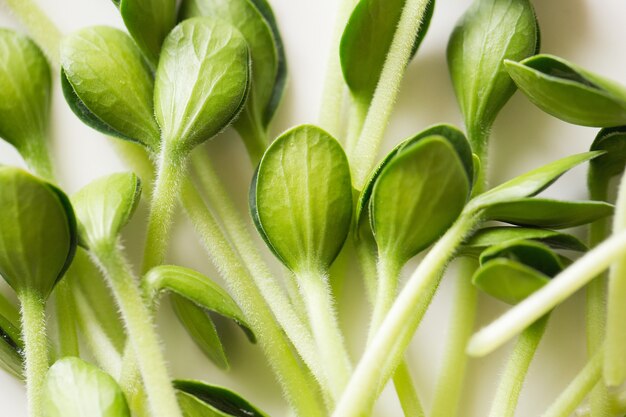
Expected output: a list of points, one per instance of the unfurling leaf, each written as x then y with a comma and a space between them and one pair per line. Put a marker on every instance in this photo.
198, 399
490, 236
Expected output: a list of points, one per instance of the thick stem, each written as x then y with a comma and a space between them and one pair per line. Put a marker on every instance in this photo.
35, 349
388, 345
66, 315
297, 385
387, 90
330, 344
140, 330
512, 381
450, 382
386, 290
556, 291
358, 113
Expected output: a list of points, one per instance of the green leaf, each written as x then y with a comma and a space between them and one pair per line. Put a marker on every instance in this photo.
104, 207
301, 198
257, 25
508, 280
609, 165
109, 85
149, 22
197, 288
489, 32
366, 41
11, 344
532, 254
569, 92
540, 212
416, 197
201, 82
532, 182
491, 236
201, 329
198, 399
38, 238
74, 388
454, 136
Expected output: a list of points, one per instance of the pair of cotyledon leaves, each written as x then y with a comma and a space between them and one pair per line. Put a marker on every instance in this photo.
75, 388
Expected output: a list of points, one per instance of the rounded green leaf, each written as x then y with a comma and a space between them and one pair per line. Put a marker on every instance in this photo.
301, 198
149, 22
508, 280
109, 85
198, 399
201, 82
198, 289
255, 21
489, 32
417, 196
104, 207
532, 254
609, 165
38, 238
74, 388
541, 212
24, 93
569, 92
366, 41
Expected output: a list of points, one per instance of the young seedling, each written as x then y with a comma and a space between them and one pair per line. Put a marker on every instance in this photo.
200, 399
301, 204
37, 245
74, 388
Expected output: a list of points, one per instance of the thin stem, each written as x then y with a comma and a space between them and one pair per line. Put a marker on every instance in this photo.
578, 388
252, 132
541, 302
450, 382
388, 345
387, 90
368, 266
323, 318
35, 349
140, 330
512, 381
407, 393
298, 387
66, 315
358, 113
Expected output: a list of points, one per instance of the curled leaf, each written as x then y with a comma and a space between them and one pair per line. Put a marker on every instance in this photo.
490, 236
609, 165
198, 399
508, 280
533, 254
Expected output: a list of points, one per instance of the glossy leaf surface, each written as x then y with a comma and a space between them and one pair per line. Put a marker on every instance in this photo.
416, 197
508, 280
201, 82
609, 165
490, 236
301, 198
38, 238
569, 92
197, 288
532, 254
104, 207
74, 388
202, 400
108, 84
489, 32
11, 344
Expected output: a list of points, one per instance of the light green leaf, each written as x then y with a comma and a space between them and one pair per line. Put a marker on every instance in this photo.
508, 280
38, 238
301, 198
491, 236
201, 82
541, 212
366, 41
569, 92
489, 32
198, 399
104, 207
109, 85
149, 22
74, 388
417, 196
196, 288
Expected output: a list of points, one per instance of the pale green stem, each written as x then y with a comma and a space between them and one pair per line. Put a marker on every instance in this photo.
37, 157
293, 292
449, 385
323, 318
388, 345
368, 144
512, 381
298, 387
35, 349
140, 330
615, 353
66, 315
368, 266
164, 197
358, 113
334, 85
578, 388
407, 392
556, 291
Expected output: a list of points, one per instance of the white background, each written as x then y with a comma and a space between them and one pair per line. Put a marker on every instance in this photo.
591, 33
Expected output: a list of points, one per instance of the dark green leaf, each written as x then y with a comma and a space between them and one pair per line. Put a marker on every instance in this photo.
202, 400
11, 344
301, 198
609, 165
569, 92
532, 254
490, 236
